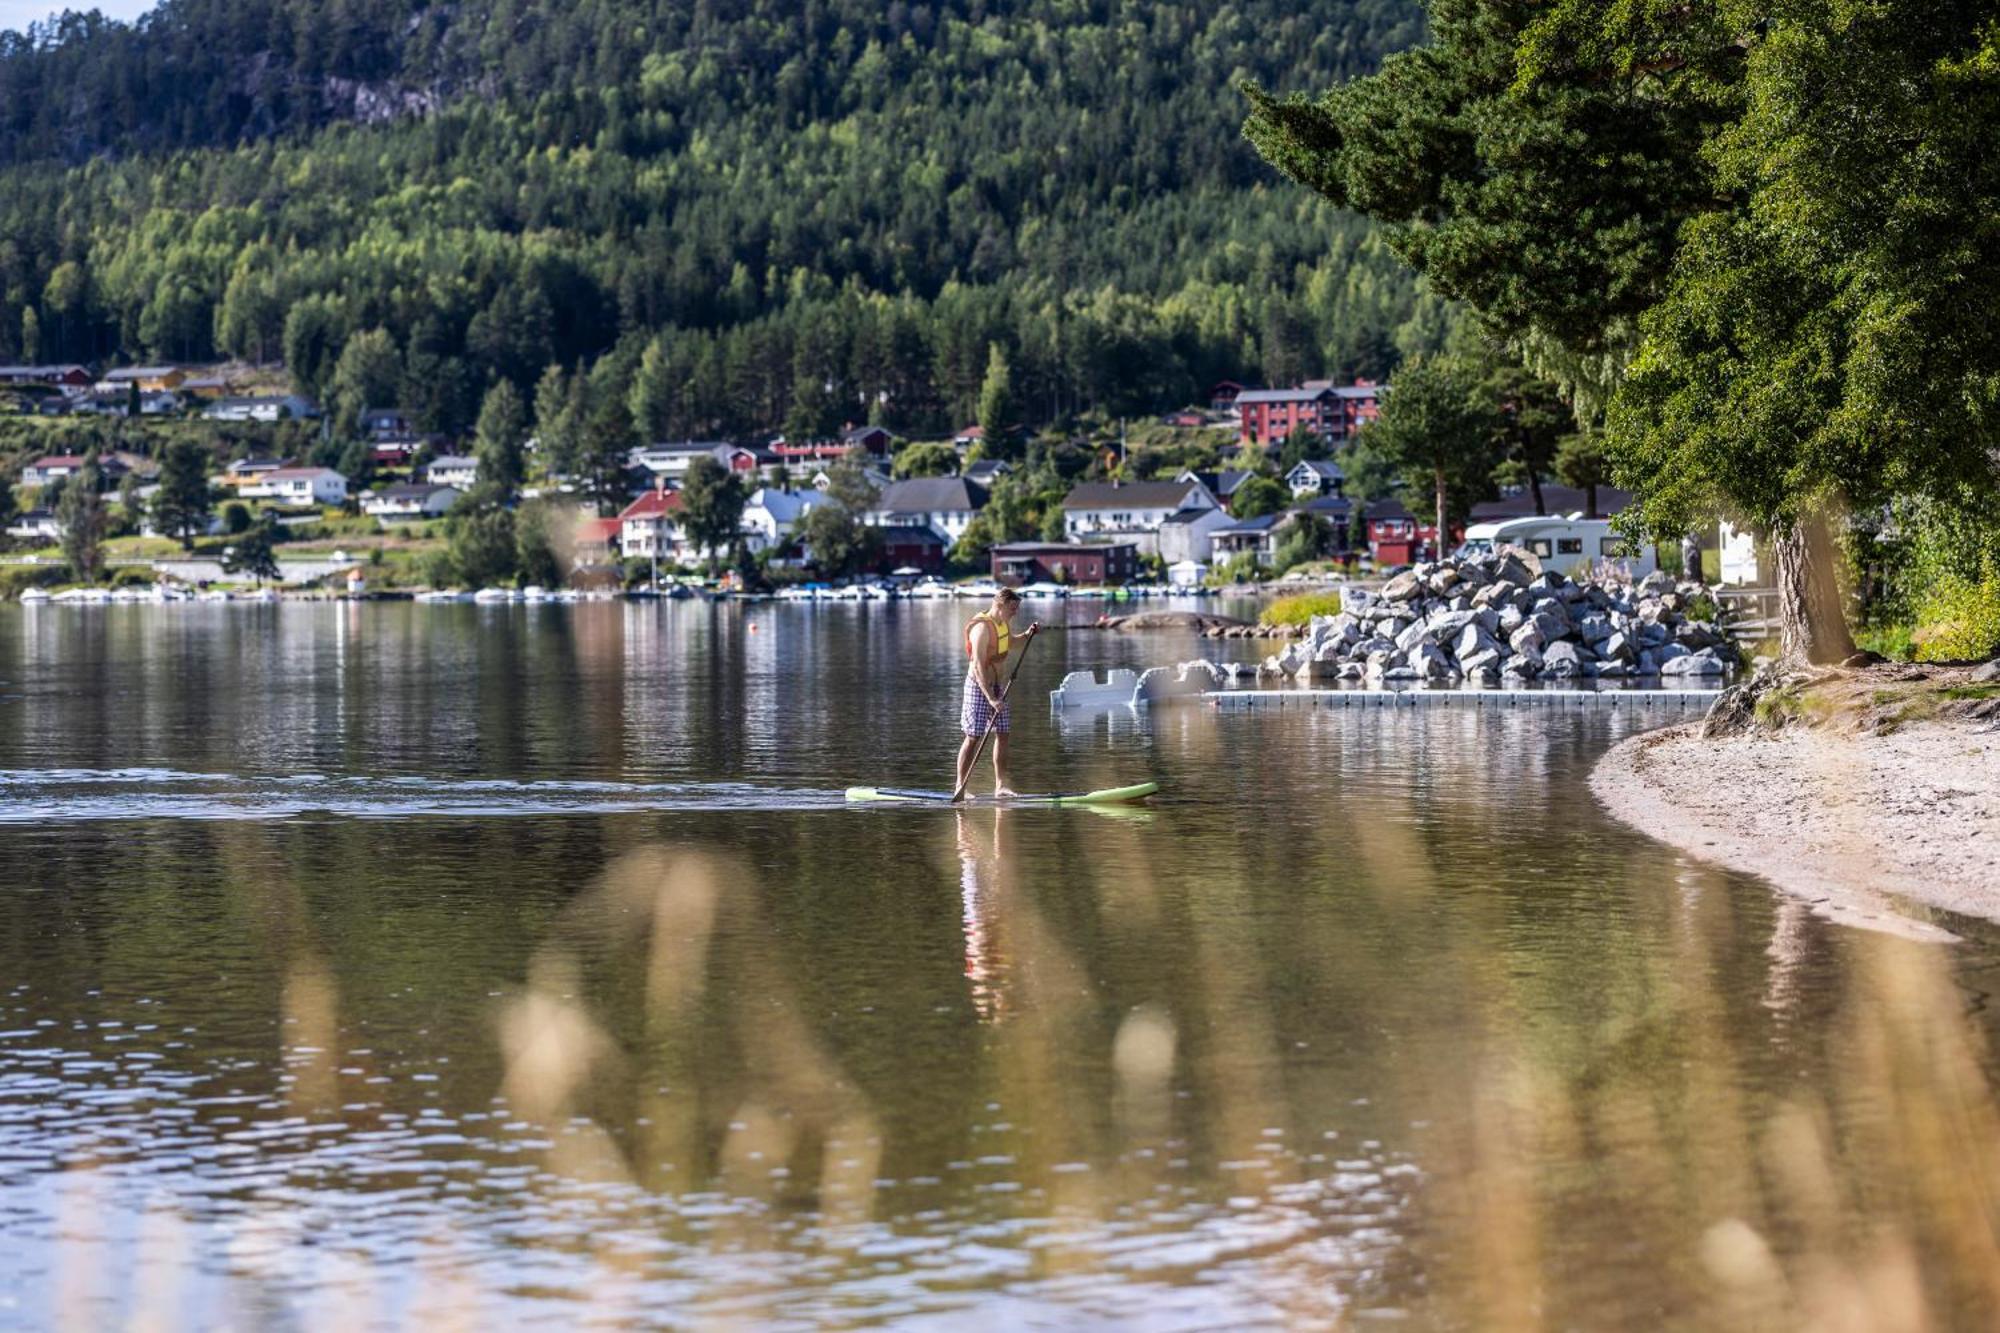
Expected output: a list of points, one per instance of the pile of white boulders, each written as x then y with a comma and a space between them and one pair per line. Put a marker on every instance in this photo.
1501, 619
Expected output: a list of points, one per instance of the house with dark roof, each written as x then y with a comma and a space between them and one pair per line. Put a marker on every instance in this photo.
912, 546
55, 467
1220, 484
63, 376
875, 439
945, 505
1188, 534
987, 471
1064, 562
1518, 501
1132, 511
1257, 537
1315, 476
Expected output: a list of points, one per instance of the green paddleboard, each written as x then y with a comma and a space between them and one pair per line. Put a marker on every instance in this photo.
1108, 796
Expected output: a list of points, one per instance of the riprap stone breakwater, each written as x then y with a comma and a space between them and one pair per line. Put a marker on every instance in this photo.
1503, 618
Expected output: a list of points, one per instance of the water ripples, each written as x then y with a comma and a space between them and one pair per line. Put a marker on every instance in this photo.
65, 795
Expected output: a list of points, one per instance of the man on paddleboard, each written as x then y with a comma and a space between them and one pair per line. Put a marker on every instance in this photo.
989, 637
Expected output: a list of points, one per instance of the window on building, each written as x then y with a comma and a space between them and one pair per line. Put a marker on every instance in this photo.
1540, 546
1569, 546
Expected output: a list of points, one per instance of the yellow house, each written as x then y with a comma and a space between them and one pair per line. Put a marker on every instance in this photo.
150, 379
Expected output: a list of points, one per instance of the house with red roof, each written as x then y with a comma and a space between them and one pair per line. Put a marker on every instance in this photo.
651, 526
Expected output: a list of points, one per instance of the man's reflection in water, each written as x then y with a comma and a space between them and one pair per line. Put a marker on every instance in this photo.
985, 882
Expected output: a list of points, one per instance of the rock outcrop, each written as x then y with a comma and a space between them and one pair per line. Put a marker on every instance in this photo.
1505, 618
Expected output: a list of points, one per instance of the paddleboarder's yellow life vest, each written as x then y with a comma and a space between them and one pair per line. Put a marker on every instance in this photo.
1003, 640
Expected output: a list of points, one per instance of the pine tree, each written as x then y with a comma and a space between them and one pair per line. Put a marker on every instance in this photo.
497, 441
996, 401
81, 521
182, 505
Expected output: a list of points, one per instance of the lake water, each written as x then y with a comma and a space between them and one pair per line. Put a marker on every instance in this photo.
363, 965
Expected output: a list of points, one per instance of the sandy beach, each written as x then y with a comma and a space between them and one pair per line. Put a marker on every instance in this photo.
1871, 823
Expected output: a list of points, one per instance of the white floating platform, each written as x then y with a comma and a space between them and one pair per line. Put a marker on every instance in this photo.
1462, 698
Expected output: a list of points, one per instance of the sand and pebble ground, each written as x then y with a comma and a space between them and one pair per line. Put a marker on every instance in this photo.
1874, 793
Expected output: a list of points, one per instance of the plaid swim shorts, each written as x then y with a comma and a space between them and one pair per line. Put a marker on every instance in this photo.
975, 713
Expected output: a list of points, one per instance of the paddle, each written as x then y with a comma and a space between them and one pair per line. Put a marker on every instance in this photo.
958, 792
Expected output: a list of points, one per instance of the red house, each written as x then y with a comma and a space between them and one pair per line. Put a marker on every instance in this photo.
912, 547
1398, 537
1065, 562
1335, 412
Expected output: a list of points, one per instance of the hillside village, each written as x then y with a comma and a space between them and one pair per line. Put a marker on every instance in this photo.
1246, 485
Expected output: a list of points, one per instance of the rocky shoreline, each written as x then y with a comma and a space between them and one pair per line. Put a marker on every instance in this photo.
1505, 618
1873, 794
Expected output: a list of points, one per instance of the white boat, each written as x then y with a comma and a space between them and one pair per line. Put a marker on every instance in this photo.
928, 589
258, 595
83, 596
35, 595
213, 595
796, 594
534, 592
1043, 590
979, 589
491, 595
851, 593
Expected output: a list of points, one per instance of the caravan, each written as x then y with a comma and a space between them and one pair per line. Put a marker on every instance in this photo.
1566, 544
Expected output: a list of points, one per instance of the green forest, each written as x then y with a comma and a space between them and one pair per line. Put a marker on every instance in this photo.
786, 217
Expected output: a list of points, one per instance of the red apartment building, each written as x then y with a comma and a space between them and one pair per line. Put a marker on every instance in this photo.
1335, 411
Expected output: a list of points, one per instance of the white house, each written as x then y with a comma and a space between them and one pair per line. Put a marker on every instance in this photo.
670, 462
273, 407
650, 527
454, 470
401, 504
945, 505
244, 472
1315, 476
1129, 511
297, 486
51, 467
1188, 534
35, 524
772, 515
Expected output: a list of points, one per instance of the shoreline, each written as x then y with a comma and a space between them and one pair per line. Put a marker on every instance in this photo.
1872, 825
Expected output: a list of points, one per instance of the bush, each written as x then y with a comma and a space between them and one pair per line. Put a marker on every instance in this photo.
1958, 619
1237, 569
17, 579
1300, 608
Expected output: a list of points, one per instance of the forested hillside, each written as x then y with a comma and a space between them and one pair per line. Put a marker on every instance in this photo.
780, 215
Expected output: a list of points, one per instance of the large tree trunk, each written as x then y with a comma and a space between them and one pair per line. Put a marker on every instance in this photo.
1812, 624
1535, 489
1443, 513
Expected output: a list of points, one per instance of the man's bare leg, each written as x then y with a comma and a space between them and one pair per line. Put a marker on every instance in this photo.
1000, 784
967, 748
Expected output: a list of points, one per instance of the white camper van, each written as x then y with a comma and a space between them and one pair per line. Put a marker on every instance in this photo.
1564, 543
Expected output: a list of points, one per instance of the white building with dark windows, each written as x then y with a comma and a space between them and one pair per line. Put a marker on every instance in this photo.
1131, 511
945, 505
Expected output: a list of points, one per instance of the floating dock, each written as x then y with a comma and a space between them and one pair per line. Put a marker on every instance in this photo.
1678, 700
